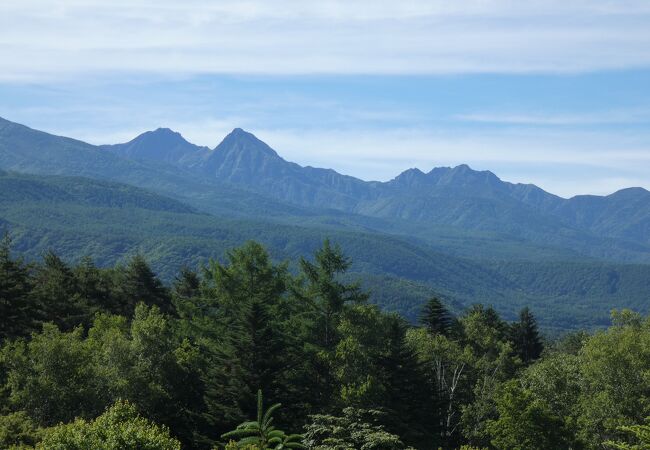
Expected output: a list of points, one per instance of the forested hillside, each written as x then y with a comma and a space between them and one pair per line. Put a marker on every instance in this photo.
115, 358
244, 177
111, 222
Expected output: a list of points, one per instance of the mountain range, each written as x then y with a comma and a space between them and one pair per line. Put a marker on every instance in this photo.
474, 236
458, 196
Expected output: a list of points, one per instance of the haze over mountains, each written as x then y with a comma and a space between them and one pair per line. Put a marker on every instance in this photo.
513, 243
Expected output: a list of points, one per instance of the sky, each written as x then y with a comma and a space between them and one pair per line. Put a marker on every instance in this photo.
555, 93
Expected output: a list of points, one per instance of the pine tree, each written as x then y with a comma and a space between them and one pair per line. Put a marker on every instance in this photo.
436, 318
525, 337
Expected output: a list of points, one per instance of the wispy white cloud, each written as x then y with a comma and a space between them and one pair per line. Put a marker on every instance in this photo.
626, 116
41, 39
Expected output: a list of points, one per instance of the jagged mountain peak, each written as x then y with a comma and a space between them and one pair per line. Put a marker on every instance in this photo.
239, 140
241, 157
409, 177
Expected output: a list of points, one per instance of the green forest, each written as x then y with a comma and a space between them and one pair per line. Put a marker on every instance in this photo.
248, 354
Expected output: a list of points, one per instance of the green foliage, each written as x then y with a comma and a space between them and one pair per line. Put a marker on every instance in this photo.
353, 375
17, 430
55, 288
615, 366
18, 310
329, 293
526, 423
355, 429
136, 283
525, 338
407, 395
112, 222
261, 433
436, 318
639, 433
52, 376
57, 376
120, 427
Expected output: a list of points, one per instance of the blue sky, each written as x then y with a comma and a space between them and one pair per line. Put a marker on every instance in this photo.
554, 93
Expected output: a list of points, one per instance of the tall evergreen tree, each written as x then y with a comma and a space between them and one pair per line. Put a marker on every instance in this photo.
327, 291
436, 318
406, 389
55, 287
525, 337
187, 284
136, 283
18, 310
249, 291
327, 297
93, 287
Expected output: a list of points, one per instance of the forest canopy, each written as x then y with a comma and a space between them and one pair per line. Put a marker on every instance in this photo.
248, 354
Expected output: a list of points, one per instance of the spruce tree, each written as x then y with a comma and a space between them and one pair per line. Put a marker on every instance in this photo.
18, 311
248, 292
525, 337
407, 395
327, 291
136, 283
186, 285
435, 318
93, 286
56, 289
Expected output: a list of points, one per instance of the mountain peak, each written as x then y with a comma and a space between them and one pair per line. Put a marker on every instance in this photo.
630, 194
162, 131
161, 144
409, 177
240, 133
241, 141
161, 134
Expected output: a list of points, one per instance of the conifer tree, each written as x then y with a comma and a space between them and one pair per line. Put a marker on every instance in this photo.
406, 390
18, 311
436, 318
326, 289
55, 287
94, 287
525, 337
249, 292
136, 283
187, 284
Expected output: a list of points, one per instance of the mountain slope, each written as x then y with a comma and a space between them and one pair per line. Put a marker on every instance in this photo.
458, 196
463, 234
243, 159
244, 177
162, 145
77, 216
23, 149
